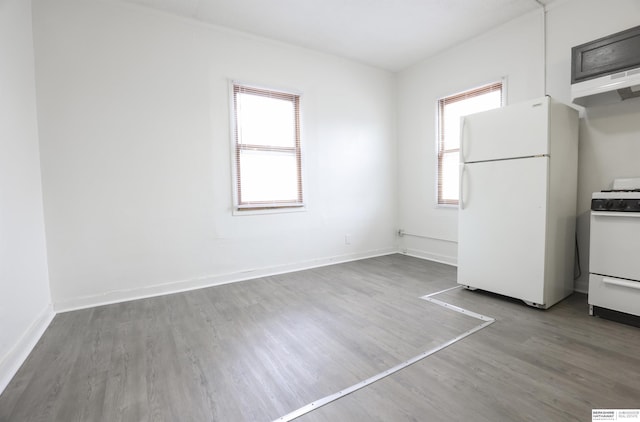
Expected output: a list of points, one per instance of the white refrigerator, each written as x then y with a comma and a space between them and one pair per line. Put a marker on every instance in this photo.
518, 180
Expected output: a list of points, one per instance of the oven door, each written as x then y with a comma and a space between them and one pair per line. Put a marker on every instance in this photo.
614, 244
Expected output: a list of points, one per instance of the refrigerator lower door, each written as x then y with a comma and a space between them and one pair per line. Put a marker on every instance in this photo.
501, 239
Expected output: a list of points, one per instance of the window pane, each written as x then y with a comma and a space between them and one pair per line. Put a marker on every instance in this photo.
450, 176
454, 111
265, 121
268, 176
450, 111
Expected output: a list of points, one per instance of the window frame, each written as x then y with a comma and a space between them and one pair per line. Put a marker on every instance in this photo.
240, 207
440, 150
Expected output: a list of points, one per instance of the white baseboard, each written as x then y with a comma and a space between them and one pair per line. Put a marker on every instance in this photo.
581, 286
208, 281
217, 280
430, 256
11, 362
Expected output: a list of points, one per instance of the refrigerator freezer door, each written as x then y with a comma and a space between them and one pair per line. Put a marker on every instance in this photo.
519, 130
502, 220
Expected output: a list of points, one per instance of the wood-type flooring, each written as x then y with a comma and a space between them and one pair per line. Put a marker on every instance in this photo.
259, 349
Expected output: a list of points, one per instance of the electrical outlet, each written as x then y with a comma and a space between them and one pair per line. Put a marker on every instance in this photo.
347, 239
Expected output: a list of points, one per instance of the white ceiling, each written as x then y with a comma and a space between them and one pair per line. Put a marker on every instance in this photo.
390, 34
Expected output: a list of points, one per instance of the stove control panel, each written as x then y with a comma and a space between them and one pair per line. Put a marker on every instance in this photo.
616, 205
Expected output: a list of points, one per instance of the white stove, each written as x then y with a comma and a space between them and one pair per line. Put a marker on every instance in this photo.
614, 264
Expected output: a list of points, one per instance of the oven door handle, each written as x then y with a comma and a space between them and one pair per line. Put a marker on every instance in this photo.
621, 283
615, 214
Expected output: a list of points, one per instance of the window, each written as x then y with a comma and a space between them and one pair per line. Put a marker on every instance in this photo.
450, 110
268, 173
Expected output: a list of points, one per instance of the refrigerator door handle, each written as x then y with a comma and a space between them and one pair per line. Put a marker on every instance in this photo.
463, 125
461, 188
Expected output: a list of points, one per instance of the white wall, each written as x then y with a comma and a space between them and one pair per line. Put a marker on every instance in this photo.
25, 309
609, 143
134, 120
513, 51
133, 110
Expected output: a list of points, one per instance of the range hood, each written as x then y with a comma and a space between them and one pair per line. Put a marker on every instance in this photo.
606, 70
607, 89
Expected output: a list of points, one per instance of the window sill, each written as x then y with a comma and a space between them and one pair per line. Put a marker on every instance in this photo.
258, 210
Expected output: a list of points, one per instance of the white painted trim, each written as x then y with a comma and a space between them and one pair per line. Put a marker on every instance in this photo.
581, 287
443, 259
13, 360
365, 383
118, 296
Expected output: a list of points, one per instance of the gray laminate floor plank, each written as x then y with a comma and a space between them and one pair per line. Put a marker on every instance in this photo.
256, 350
530, 365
